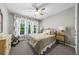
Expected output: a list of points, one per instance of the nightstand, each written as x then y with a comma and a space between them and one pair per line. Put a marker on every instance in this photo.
60, 37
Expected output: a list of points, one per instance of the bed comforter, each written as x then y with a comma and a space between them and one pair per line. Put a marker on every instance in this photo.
40, 41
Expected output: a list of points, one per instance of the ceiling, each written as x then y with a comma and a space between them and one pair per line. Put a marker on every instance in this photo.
28, 9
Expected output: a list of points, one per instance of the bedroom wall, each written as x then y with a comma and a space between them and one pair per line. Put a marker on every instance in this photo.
65, 18
6, 19
11, 23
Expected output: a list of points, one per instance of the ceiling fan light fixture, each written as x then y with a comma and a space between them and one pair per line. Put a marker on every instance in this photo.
36, 13
39, 11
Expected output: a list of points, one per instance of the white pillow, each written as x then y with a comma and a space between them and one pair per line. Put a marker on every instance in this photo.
46, 32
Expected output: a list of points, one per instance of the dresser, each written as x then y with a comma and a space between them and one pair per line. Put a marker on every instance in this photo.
5, 44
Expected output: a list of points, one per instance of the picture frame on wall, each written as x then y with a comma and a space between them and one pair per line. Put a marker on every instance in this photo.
1, 22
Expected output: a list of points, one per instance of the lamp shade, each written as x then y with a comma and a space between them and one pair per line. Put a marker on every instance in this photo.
62, 28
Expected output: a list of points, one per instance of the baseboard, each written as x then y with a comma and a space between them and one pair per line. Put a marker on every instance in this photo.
70, 45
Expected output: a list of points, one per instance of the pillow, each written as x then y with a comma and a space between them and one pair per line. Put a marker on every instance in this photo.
46, 32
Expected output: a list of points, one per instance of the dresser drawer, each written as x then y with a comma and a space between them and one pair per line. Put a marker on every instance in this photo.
2, 47
2, 52
2, 44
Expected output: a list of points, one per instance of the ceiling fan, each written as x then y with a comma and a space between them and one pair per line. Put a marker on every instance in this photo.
39, 8
36, 9
39, 11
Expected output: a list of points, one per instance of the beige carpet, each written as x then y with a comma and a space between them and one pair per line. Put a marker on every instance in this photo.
24, 49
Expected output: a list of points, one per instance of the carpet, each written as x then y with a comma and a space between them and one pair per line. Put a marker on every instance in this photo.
24, 49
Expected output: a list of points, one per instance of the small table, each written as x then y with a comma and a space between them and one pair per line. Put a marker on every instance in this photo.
60, 37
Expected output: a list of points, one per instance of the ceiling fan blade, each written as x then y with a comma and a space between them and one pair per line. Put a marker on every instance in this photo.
43, 9
28, 10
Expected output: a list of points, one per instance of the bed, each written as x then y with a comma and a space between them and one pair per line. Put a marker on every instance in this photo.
40, 42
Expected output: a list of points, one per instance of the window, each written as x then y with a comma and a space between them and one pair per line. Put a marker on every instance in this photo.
22, 28
29, 28
34, 28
